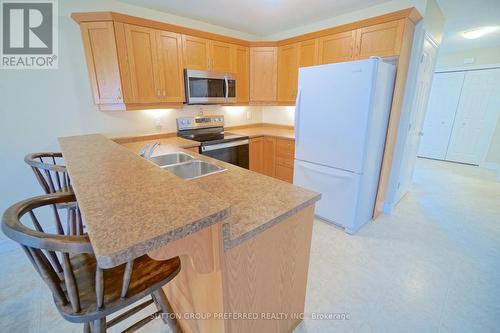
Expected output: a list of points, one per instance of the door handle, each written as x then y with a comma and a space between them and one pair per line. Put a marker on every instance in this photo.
297, 116
227, 89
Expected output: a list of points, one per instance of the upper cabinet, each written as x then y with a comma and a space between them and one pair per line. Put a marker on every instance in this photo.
206, 54
196, 52
242, 74
308, 53
102, 62
222, 56
143, 65
337, 47
383, 40
288, 65
135, 63
169, 49
263, 70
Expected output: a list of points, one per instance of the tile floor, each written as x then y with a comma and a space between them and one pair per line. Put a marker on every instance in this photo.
431, 266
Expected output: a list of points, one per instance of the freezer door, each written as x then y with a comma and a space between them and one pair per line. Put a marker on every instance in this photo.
338, 188
332, 112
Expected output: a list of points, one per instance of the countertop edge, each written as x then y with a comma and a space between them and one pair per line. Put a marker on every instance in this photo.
230, 243
140, 249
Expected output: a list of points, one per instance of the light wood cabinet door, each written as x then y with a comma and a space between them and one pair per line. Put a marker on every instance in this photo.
337, 47
256, 154
143, 64
269, 156
383, 40
288, 65
242, 74
196, 52
221, 56
263, 74
284, 173
102, 62
169, 48
308, 53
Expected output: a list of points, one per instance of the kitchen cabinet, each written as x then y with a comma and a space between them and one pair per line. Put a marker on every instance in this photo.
285, 153
102, 61
383, 40
143, 64
308, 52
221, 56
242, 74
263, 74
273, 157
196, 52
269, 156
206, 54
256, 154
288, 66
169, 49
337, 47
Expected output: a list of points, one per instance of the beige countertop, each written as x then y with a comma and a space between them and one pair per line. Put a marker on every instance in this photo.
256, 131
132, 206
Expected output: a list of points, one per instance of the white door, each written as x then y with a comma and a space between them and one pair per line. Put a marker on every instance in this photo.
476, 117
443, 102
417, 116
333, 103
338, 188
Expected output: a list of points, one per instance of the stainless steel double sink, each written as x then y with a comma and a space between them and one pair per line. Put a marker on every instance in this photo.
185, 166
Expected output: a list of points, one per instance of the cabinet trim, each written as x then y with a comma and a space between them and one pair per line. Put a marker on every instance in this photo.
411, 13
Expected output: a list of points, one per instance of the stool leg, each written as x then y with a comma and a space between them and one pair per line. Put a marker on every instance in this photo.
164, 306
99, 325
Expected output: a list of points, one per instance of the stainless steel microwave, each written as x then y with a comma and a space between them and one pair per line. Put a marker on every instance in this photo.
204, 87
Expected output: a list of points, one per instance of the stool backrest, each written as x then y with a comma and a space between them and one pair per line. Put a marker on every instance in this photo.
49, 171
49, 252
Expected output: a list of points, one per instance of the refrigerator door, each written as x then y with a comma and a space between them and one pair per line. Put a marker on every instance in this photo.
332, 113
338, 188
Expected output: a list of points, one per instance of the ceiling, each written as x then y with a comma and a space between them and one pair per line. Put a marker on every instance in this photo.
257, 17
462, 15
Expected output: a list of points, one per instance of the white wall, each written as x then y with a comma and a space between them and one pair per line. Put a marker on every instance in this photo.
483, 56
37, 106
282, 115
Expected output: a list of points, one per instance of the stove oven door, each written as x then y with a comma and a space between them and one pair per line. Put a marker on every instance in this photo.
234, 152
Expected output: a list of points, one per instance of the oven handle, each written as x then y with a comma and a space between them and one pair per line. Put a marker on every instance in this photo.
224, 145
227, 88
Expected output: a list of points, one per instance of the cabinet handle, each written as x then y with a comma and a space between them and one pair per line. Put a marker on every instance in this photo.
119, 93
158, 92
164, 94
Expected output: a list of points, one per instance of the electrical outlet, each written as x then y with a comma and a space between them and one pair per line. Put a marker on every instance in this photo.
249, 116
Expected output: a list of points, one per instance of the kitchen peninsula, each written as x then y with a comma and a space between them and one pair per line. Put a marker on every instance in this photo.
243, 238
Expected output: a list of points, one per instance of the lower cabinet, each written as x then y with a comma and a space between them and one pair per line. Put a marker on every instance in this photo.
272, 157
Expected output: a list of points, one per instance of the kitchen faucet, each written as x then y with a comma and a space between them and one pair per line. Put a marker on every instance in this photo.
147, 152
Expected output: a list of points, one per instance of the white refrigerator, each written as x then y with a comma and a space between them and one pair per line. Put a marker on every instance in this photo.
341, 117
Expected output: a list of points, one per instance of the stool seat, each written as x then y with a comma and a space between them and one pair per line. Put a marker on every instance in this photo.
147, 274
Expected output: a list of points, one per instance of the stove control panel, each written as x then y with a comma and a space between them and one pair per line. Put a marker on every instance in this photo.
185, 123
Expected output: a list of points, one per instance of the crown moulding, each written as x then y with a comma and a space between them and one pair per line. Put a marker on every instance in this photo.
411, 14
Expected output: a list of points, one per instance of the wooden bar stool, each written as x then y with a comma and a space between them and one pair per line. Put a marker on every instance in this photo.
83, 292
51, 174
50, 171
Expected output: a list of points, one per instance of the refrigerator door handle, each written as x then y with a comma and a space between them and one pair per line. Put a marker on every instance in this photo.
297, 116
321, 169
